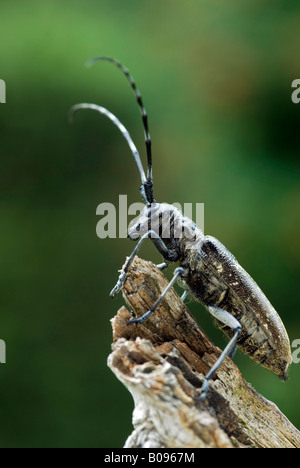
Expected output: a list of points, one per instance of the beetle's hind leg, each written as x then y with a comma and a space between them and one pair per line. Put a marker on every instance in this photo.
228, 319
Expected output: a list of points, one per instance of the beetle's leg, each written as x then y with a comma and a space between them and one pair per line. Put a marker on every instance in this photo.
232, 352
161, 247
184, 295
228, 319
178, 272
162, 266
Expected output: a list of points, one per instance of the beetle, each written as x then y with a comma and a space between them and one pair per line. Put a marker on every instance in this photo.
207, 270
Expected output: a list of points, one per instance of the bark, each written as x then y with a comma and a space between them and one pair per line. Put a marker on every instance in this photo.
162, 362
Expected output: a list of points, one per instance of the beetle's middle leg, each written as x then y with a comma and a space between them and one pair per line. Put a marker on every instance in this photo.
168, 255
178, 272
228, 319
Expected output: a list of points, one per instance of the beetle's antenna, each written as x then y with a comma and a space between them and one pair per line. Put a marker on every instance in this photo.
149, 184
125, 134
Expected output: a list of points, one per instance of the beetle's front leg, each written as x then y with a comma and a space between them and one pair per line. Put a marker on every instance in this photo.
168, 255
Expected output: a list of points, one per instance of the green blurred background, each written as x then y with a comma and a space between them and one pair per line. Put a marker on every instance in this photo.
216, 80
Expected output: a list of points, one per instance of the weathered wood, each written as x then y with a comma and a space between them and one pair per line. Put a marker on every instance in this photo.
162, 362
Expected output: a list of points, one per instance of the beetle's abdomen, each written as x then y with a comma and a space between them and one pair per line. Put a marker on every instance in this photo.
215, 278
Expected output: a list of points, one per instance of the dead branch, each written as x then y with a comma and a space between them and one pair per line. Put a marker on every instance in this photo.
162, 362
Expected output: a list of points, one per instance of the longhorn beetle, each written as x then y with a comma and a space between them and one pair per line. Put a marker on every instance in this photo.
208, 271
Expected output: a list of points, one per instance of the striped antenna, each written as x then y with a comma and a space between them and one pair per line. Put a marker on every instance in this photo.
125, 133
149, 187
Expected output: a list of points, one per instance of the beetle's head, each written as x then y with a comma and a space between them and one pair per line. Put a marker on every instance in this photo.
178, 232
159, 218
